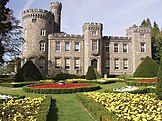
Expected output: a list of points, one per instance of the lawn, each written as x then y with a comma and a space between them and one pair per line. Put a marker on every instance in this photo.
68, 108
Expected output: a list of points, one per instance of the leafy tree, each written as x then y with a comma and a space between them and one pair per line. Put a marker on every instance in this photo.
159, 83
5, 25
90, 73
148, 22
148, 68
144, 24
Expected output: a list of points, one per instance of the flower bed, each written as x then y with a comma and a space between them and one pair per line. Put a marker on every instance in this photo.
142, 82
25, 109
60, 88
126, 106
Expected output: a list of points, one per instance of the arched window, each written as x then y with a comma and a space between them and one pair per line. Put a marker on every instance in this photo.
42, 46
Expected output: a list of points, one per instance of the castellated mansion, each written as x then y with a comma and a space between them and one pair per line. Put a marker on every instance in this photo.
48, 47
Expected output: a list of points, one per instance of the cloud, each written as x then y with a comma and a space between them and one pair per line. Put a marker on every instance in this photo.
26, 6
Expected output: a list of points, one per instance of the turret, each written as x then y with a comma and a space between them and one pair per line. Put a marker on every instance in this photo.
56, 8
92, 45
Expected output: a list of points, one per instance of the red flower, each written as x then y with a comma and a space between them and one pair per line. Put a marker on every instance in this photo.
71, 85
147, 80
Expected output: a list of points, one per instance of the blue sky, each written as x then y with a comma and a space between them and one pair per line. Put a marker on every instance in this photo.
116, 15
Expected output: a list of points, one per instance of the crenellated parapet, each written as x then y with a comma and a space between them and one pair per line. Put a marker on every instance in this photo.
92, 26
138, 29
37, 13
56, 5
119, 38
64, 35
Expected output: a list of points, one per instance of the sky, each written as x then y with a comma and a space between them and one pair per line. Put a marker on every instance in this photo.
115, 15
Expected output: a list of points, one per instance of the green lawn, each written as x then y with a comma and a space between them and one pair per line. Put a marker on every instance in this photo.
68, 108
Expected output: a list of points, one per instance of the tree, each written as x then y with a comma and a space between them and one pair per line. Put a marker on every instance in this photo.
148, 68
90, 73
159, 83
144, 24
148, 22
5, 25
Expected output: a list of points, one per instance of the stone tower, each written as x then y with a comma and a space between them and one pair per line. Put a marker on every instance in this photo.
56, 8
37, 24
92, 45
141, 43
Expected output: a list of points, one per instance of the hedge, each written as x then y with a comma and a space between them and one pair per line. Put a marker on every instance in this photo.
60, 90
92, 81
141, 90
98, 111
44, 110
17, 84
135, 83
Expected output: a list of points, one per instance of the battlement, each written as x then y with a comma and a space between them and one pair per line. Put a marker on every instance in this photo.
92, 26
36, 13
138, 29
119, 38
56, 3
64, 35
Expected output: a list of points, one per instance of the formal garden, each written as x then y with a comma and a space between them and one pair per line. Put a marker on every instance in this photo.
66, 97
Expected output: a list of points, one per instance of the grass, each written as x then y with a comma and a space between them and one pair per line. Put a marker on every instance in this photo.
68, 108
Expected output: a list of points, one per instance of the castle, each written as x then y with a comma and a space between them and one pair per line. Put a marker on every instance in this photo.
48, 47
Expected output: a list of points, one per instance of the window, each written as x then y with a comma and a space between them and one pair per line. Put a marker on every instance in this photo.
117, 64
94, 45
116, 47
58, 46
93, 33
34, 20
125, 48
143, 47
43, 32
77, 46
107, 47
25, 32
58, 63
67, 63
125, 64
107, 64
67, 46
77, 63
42, 46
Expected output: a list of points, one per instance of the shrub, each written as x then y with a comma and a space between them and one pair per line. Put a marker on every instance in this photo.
59, 90
159, 83
148, 68
44, 110
91, 73
29, 72
99, 112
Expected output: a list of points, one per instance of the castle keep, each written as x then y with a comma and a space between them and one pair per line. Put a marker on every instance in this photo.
49, 48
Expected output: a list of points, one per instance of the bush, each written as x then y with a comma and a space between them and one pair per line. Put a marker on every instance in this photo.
59, 90
44, 110
91, 73
99, 112
135, 83
148, 68
29, 72
159, 83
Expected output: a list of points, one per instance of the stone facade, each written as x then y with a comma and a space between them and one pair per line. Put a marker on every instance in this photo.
48, 47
